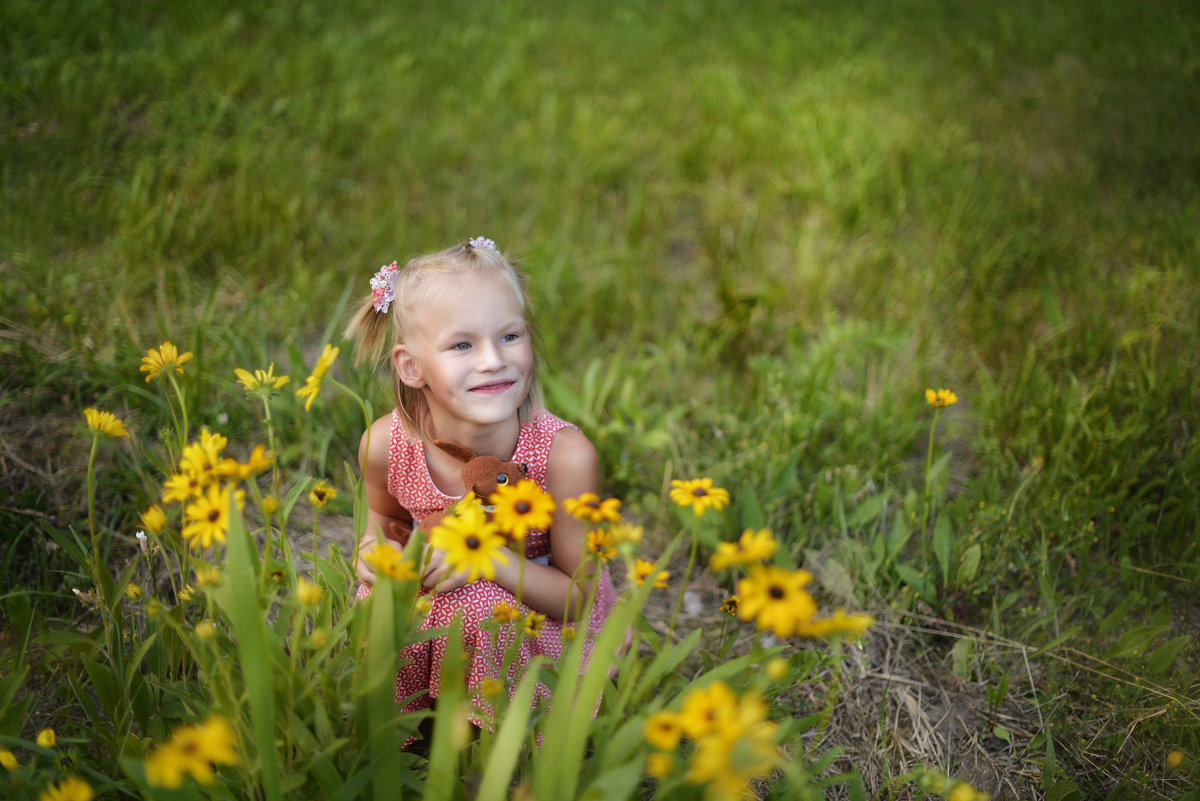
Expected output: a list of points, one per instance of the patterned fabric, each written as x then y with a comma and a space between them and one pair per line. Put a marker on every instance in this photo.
485, 642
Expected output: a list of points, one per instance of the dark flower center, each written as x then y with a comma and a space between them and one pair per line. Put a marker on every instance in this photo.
319, 494
593, 504
188, 748
522, 507
214, 515
776, 592
699, 492
472, 542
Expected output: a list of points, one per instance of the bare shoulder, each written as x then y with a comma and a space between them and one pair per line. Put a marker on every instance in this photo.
373, 447
572, 454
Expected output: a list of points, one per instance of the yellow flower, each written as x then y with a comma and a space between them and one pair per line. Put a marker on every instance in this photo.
520, 507
505, 613
206, 575
8, 760
161, 361
133, 591
625, 532
600, 544
643, 570
258, 460
491, 687
318, 639
1175, 758
105, 422
208, 518
154, 519
186, 593
777, 669
387, 562
839, 622
962, 791
270, 505
700, 494
589, 507
205, 630
180, 487
728, 759
568, 633
46, 738
776, 599
423, 605
191, 751
752, 546
533, 623
312, 384
660, 765
321, 493
943, 397
471, 542
260, 379
707, 709
71, 788
730, 605
308, 593
201, 460
662, 730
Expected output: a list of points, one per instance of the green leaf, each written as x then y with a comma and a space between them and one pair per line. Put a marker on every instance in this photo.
943, 547
510, 736
968, 565
239, 598
104, 684
1162, 657
617, 782
1134, 641
901, 532
663, 662
919, 583
1001, 733
1119, 614
443, 753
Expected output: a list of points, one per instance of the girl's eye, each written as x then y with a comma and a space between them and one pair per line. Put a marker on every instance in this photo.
510, 337
460, 346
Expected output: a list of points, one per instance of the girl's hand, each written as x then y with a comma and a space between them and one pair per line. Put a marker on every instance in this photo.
438, 576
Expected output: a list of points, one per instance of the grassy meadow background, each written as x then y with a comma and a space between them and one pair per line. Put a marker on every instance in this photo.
756, 232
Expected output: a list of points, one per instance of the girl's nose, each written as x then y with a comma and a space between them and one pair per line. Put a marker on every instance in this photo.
489, 357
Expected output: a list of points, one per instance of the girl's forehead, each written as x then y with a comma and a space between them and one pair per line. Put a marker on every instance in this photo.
465, 295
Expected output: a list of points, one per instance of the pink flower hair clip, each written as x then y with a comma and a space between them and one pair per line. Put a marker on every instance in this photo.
483, 243
383, 287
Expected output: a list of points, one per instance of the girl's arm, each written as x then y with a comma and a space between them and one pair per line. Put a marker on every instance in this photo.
382, 508
572, 471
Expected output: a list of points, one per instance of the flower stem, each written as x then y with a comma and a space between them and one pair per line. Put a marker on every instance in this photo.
182, 411
927, 495
686, 574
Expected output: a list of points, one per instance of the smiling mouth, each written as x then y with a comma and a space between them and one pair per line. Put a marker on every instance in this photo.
498, 386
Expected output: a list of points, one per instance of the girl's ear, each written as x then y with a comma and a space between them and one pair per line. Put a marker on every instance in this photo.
406, 366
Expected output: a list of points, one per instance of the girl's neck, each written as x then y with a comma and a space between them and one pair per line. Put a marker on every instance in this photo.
499, 440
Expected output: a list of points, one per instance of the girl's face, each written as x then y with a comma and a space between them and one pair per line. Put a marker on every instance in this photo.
468, 350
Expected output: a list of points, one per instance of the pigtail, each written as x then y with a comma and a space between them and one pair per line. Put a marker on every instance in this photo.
371, 332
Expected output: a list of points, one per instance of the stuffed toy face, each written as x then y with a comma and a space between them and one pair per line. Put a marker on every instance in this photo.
481, 474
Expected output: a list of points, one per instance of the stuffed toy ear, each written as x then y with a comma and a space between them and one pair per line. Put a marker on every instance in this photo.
460, 453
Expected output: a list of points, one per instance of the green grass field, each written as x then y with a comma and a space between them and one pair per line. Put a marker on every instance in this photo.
756, 233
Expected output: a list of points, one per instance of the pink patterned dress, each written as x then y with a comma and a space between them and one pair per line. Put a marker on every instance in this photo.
485, 642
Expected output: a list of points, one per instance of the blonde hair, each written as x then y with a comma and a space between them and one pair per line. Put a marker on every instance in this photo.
368, 329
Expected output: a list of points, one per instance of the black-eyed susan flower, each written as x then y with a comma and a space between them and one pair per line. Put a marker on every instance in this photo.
505, 613
207, 518
308, 593
740, 750
389, 563
312, 384
568, 633
623, 532
263, 381
154, 519
752, 546
270, 505
663, 730
520, 507
105, 423
707, 709
206, 575
321, 493
133, 591
205, 630
192, 750
600, 544
775, 599
472, 544
941, 397
1175, 759
589, 507
181, 487
201, 460
534, 621
46, 738
699, 494
659, 765
163, 360
730, 605
840, 622
490, 687
8, 760
71, 788
777, 669
962, 791
643, 571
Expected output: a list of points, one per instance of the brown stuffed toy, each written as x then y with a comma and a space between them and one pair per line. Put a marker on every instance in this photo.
480, 474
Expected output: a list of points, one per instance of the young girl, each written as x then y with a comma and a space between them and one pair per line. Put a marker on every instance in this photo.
452, 328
